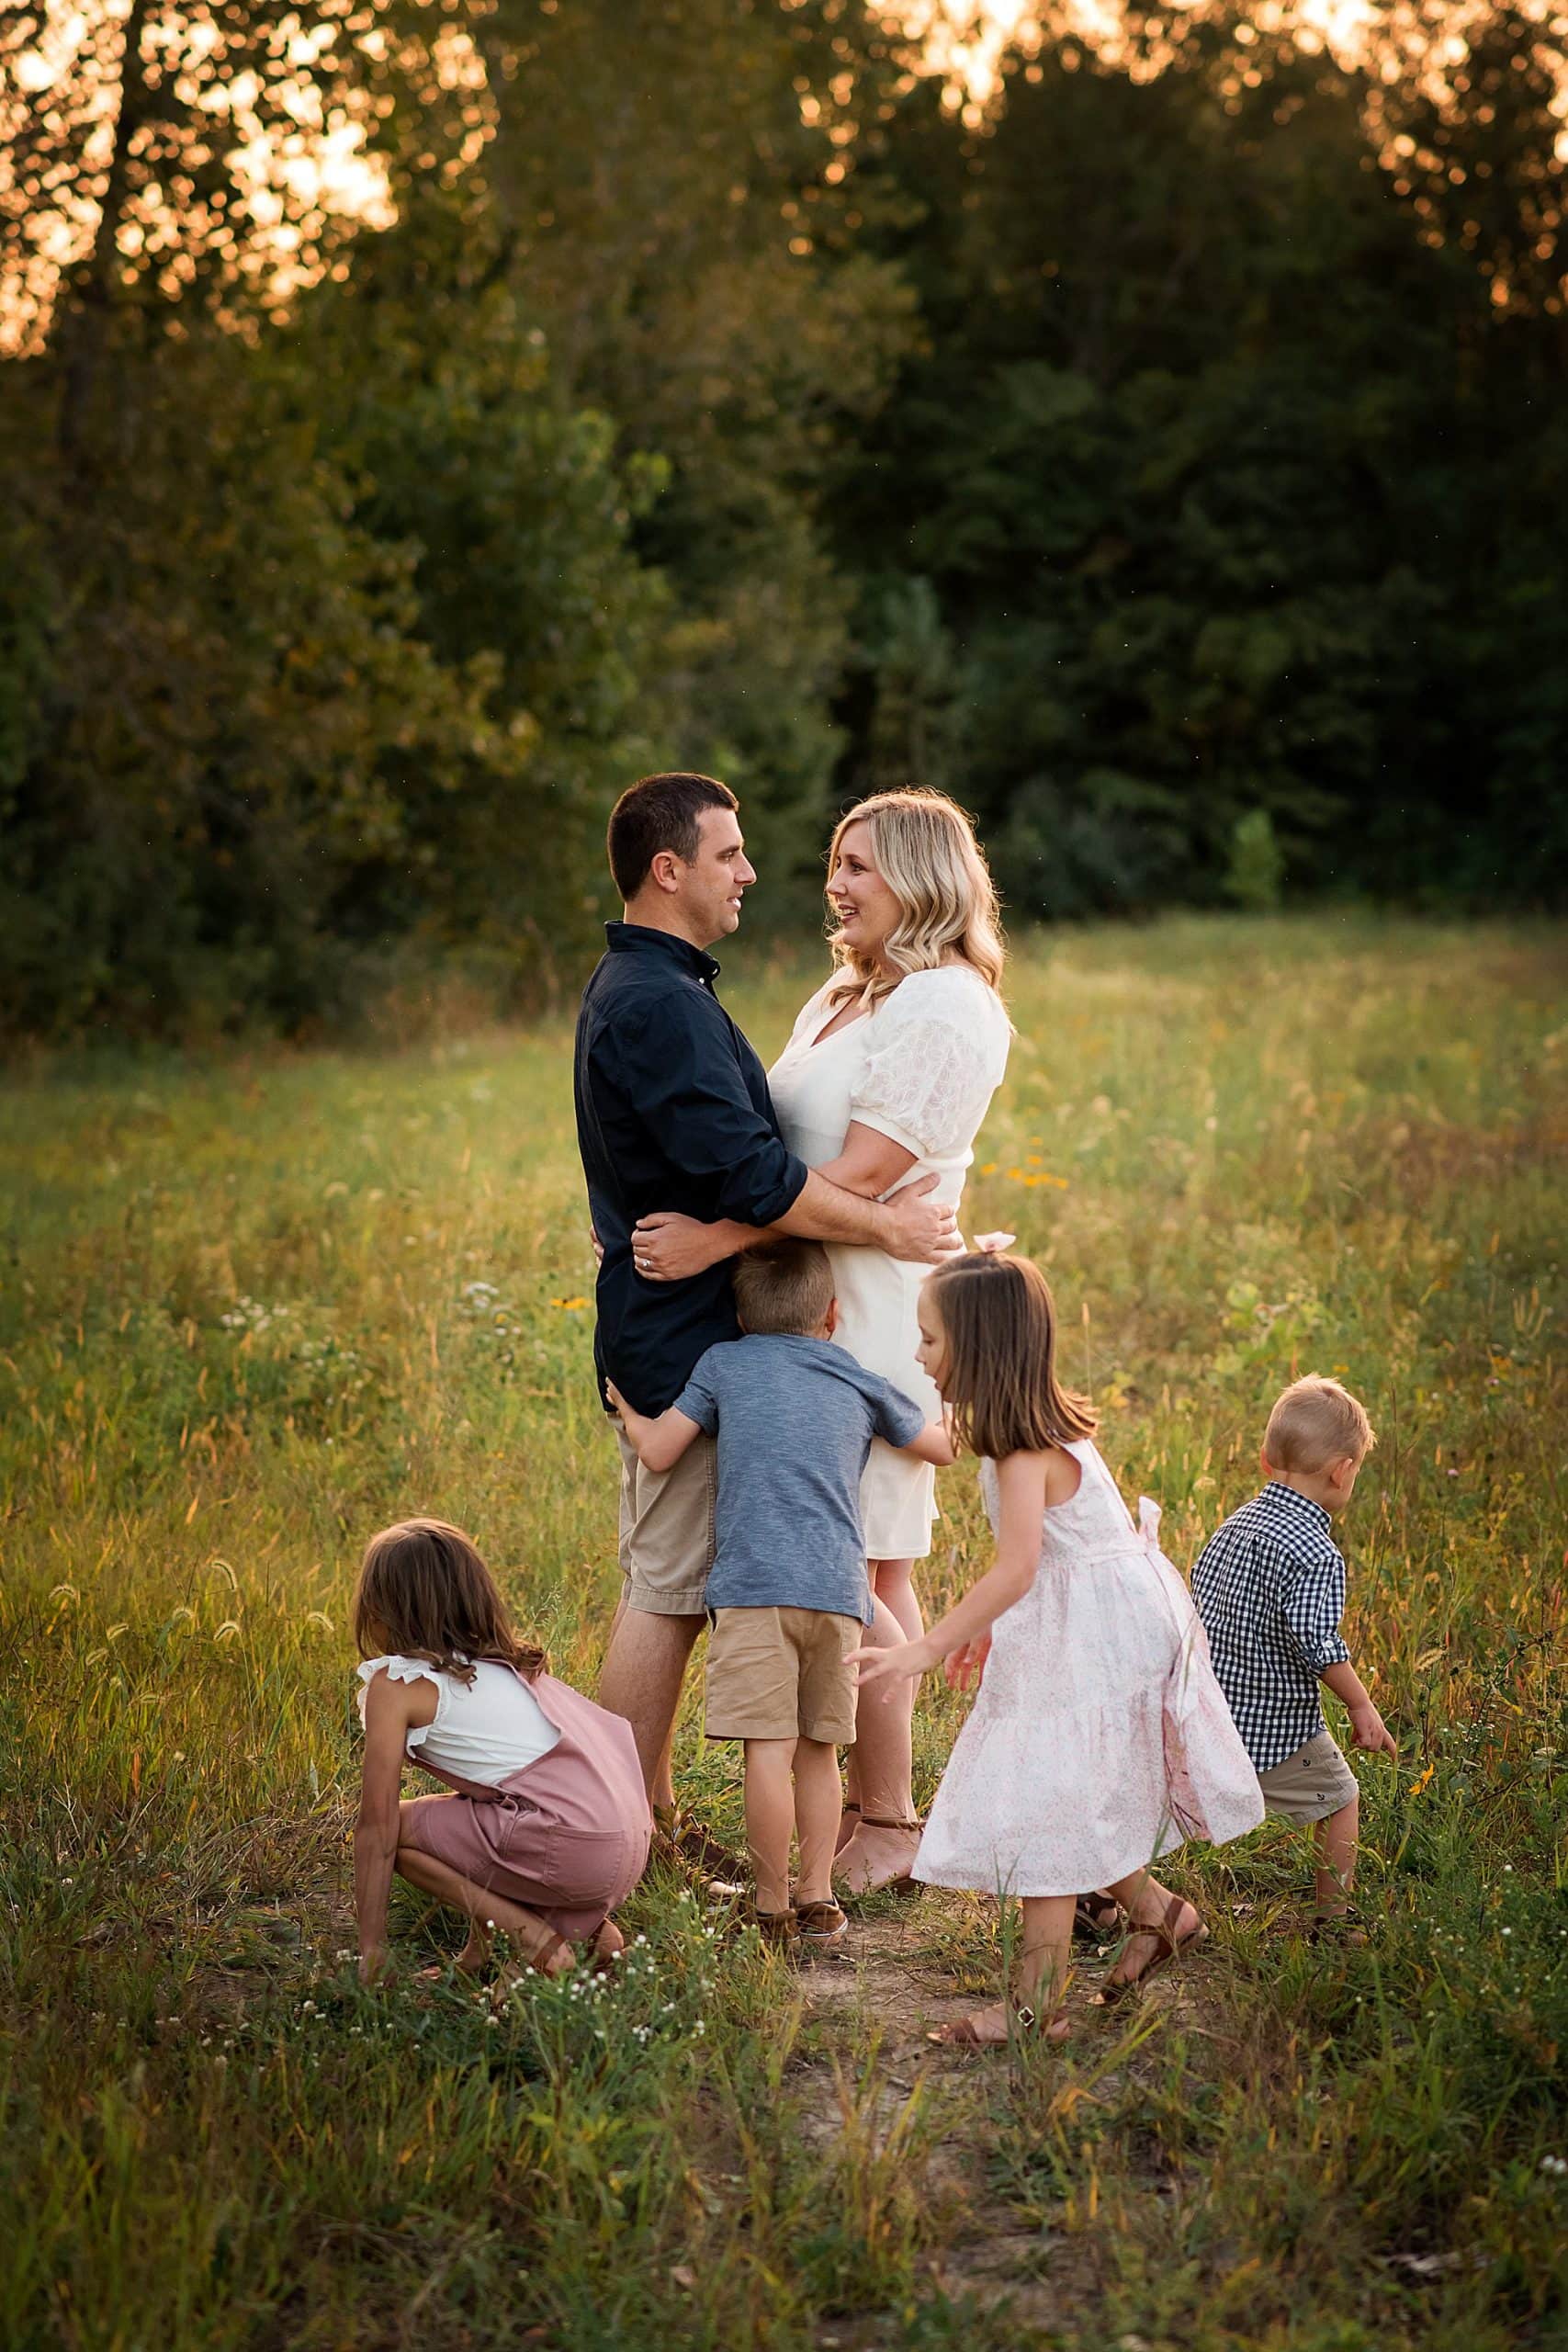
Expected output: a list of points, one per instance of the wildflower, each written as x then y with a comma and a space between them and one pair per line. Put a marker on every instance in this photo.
569, 1306
1416, 1786
1557, 2165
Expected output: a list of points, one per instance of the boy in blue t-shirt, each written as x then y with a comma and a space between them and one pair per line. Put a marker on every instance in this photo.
795, 1416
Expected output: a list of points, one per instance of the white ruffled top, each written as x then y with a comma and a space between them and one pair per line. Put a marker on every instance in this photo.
922, 1070
482, 1731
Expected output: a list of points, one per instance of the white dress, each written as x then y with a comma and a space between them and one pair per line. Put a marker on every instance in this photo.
921, 1068
1100, 1738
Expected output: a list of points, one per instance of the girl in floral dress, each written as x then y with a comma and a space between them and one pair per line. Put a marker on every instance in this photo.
1100, 1738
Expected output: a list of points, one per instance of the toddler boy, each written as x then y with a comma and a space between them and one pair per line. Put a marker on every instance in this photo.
1270, 1586
795, 1416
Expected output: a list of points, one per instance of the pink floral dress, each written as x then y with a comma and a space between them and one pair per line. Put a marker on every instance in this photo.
1100, 1738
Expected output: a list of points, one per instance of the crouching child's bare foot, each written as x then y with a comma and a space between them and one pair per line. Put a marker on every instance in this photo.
605, 1948
472, 1961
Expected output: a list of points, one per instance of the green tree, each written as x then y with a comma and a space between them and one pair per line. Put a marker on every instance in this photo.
319, 637
677, 190
1197, 454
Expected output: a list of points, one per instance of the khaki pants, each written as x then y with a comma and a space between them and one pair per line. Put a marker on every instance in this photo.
667, 1529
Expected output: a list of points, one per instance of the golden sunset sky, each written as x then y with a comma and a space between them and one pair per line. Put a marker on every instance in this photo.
319, 168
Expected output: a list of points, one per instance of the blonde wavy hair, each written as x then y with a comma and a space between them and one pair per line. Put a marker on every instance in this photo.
925, 850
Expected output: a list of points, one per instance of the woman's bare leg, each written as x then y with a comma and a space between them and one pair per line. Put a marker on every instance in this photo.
894, 1582
881, 1767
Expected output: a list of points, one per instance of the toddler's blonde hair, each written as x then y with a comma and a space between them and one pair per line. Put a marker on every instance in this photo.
1316, 1422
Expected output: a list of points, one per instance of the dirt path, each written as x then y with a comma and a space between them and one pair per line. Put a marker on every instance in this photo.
889, 1985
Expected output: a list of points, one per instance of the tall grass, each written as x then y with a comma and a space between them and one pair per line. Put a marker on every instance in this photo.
252, 1310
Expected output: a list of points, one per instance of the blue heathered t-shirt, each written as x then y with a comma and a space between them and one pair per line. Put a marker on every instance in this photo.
795, 1418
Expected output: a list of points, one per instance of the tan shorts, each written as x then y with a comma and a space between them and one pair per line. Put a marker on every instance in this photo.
782, 1674
667, 1538
1311, 1785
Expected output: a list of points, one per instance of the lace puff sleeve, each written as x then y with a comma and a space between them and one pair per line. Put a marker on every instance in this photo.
930, 1073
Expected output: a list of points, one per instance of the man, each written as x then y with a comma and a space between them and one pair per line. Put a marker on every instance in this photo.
672, 1112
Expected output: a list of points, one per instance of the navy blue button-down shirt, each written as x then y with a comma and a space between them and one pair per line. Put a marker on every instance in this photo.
672, 1112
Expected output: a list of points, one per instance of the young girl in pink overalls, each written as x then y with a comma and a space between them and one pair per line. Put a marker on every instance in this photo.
547, 1827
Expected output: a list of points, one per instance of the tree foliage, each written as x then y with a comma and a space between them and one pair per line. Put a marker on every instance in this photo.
1199, 463
420, 419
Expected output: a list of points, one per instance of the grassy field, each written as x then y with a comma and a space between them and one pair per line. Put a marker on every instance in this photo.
251, 1311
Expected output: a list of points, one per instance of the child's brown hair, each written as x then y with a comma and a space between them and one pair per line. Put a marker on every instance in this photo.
424, 1591
998, 1329
785, 1286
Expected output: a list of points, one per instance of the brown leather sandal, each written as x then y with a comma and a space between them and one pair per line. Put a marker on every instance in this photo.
1167, 1946
1097, 1917
1346, 1928
686, 1841
534, 1964
960, 2033
823, 1925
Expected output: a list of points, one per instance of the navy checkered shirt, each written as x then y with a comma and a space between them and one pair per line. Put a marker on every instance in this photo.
1270, 1586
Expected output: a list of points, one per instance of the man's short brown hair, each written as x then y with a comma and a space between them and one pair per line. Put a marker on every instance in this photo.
659, 812
1316, 1422
785, 1286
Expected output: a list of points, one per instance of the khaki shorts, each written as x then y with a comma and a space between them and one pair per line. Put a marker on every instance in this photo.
667, 1536
782, 1674
1311, 1785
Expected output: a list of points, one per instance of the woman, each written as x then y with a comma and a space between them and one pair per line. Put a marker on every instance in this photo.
887, 1077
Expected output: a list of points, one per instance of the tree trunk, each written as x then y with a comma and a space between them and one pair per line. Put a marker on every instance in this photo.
87, 305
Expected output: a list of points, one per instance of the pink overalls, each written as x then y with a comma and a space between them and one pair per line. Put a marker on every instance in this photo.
567, 1837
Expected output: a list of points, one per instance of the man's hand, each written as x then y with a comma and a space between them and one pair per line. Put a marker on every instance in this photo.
920, 1230
598, 1247
969, 1659
1368, 1730
668, 1247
